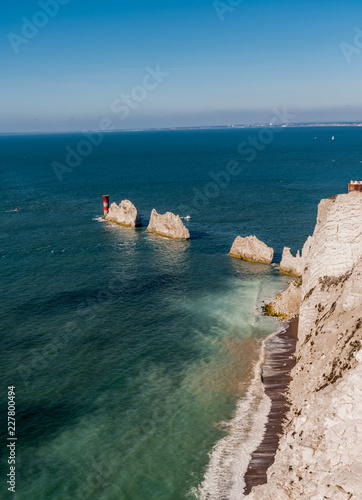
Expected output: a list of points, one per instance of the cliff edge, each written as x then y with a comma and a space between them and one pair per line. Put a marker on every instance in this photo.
319, 454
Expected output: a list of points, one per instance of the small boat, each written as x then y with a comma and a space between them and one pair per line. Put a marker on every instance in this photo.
332, 137
188, 217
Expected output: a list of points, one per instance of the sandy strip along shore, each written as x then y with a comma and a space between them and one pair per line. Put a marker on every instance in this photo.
279, 361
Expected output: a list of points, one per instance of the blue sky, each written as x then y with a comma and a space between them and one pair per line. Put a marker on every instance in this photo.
76, 69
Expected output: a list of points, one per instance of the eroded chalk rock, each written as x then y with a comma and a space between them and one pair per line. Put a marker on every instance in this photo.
286, 305
124, 214
168, 225
250, 248
289, 264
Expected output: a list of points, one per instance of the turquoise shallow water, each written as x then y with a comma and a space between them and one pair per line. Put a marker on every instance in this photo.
127, 350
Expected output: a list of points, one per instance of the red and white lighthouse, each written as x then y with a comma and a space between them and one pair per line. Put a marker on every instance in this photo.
105, 204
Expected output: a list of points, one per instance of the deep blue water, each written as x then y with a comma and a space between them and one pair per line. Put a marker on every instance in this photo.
126, 349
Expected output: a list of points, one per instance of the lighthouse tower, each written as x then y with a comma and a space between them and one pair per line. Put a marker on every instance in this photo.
105, 204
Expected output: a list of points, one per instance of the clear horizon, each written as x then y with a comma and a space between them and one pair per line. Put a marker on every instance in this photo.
190, 64
193, 127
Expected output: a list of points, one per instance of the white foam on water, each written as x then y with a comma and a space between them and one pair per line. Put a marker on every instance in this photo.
235, 310
230, 457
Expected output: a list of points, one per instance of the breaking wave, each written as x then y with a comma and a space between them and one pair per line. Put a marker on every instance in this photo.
230, 457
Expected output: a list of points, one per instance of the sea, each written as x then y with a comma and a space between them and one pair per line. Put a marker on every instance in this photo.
133, 357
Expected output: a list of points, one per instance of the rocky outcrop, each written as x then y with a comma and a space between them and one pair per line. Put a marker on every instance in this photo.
124, 214
289, 264
320, 451
250, 248
168, 225
286, 305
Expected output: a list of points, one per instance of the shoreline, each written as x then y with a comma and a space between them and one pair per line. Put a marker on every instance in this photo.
252, 428
278, 362
319, 451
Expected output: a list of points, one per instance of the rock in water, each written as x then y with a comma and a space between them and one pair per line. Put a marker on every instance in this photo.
252, 249
168, 225
289, 264
124, 214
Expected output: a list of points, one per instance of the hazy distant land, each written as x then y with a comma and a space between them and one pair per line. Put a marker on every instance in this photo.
201, 127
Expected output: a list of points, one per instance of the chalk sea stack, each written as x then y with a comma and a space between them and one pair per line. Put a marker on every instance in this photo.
252, 249
125, 214
168, 225
289, 264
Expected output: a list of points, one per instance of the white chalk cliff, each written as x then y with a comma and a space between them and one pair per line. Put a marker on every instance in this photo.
168, 225
320, 452
124, 214
250, 248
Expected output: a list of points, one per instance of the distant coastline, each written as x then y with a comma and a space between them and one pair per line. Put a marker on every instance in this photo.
201, 127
